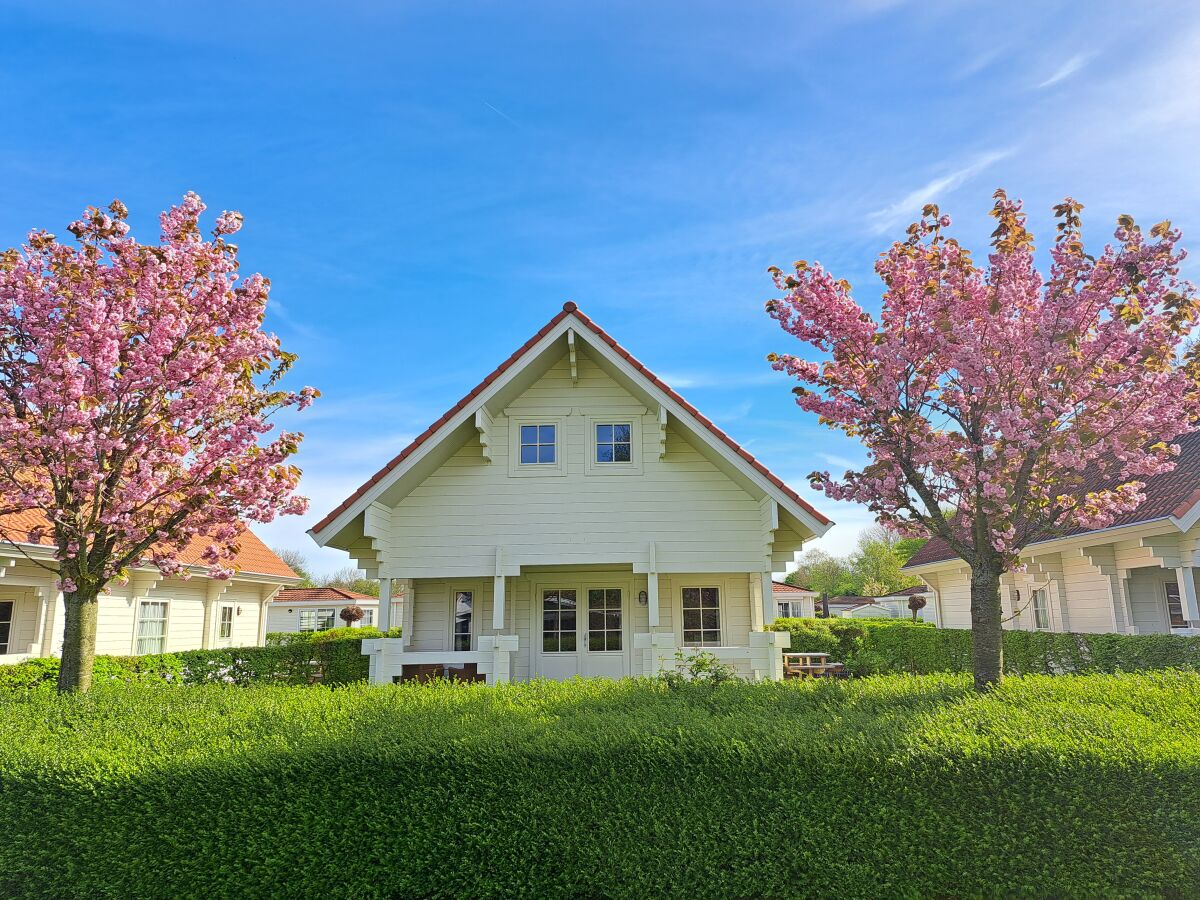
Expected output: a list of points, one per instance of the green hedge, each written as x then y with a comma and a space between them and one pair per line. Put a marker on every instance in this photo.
328, 657
890, 646
897, 786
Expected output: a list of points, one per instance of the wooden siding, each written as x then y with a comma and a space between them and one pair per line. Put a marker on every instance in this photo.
451, 524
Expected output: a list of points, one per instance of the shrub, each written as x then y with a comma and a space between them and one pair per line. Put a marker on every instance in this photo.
329, 657
1075, 787
890, 646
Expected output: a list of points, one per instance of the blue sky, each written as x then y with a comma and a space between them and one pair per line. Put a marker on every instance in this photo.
426, 183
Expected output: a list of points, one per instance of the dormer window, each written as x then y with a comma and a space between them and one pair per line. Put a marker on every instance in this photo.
613, 442
539, 445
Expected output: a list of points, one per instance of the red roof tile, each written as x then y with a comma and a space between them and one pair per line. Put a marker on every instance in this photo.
569, 309
1170, 494
335, 594
253, 556
782, 587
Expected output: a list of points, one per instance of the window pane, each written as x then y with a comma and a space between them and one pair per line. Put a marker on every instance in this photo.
604, 434
546, 453
596, 618
567, 598
691, 619
614, 597
596, 597
568, 641
529, 453
550, 643
604, 453
545, 434
612, 619
708, 597
529, 434
549, 621
620, 453
595, 640
1174, 607
710, 618
621, 433
691, 596
691, 637
567, 621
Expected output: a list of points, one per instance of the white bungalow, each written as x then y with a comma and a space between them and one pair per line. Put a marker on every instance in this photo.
300, 609
149, 614
1137, 576
793, 602
572, 515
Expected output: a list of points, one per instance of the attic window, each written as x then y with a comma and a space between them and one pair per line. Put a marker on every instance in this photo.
613, 443
538, 445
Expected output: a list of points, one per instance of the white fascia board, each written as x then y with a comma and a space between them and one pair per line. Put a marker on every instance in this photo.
557, 333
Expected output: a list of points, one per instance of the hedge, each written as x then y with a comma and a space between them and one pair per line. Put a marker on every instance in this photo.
894, 786
889, 646
330, 657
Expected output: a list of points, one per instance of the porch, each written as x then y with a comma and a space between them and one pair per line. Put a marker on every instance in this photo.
26, 621
565, 622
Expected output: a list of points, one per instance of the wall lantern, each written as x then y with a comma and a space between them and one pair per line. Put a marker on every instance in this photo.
643, 598
239, 610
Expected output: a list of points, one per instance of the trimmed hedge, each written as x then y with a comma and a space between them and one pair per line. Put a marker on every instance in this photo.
888, 646
330, 657
896, 786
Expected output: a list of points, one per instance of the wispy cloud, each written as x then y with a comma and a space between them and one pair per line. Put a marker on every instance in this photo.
716, 380
907, 208
1066, 70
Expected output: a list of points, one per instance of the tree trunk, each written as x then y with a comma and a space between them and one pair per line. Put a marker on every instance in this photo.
79, 643
987, 650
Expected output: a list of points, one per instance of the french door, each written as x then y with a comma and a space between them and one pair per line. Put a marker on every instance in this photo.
583, 632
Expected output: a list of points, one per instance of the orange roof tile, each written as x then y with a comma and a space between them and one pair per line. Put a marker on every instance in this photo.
253, 556
335, 594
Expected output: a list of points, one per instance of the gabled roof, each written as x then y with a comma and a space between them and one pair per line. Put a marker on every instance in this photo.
523, 355
1169, 495
253, 556
906, 592
331, 594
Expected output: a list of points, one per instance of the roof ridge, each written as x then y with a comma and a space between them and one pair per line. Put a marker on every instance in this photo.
570, 308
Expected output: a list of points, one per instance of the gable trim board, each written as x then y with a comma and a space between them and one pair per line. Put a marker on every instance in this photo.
562, 327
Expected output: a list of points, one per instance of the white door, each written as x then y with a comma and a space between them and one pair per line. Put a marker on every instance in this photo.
225, 614
558, 652
605, 644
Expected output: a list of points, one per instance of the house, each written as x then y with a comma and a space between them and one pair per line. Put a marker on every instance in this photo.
792, 602
317, 609
894, 605
1137, 576
572, 515
149, 614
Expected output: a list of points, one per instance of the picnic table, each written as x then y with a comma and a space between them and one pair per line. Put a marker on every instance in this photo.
809, 665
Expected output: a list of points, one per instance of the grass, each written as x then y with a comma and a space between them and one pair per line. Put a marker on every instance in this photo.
890, 786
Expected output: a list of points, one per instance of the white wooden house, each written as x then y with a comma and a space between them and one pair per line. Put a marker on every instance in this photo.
1138, 576
150, 613
572, 515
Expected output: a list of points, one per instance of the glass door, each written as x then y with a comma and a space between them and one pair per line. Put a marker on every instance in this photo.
6, 617
604, 637
558, 655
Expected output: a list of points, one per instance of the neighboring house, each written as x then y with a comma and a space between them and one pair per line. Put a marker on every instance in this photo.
1138, 576
149, 614
317, 609
792, 602
895, 605
572, 515
842, 606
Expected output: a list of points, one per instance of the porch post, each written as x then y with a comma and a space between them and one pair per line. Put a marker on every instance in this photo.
383, 616
39, 630
652, 588
498, 593
768, 601
206, 625
1187, 594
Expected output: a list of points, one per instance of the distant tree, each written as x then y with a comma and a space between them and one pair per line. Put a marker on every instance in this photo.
916, 604
906, 548
818, 571
298, 563
876, 562
351, 614
349, 579
137, 390
1027, 403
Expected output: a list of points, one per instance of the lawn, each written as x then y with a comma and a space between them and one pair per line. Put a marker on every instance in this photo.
890, 786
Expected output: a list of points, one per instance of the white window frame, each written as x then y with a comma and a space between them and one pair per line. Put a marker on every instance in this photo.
12, 617
782, 605
221, 609
316, 610
518, 469
137, 623
368, 618
602, 417
722, 599
1044, 611
471, 627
